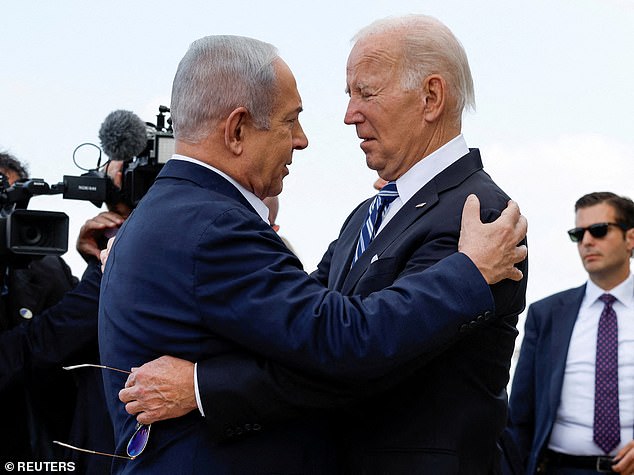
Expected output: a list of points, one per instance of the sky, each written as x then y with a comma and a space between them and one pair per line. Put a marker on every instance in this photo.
553, 83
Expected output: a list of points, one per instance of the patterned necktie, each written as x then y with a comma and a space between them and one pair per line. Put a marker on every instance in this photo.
607, 428
376, 213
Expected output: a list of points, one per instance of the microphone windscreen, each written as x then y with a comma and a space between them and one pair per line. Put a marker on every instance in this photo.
123, 135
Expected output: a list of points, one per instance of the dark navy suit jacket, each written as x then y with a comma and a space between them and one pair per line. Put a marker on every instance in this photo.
445, 409
539, 374
195, 273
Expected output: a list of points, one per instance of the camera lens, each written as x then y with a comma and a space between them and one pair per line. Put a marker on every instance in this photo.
30, 235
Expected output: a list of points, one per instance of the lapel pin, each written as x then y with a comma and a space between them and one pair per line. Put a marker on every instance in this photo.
374, 259
420, 205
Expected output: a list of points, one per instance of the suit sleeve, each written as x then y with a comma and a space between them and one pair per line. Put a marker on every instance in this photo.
275, 310
264, 391
55, 334
521, 426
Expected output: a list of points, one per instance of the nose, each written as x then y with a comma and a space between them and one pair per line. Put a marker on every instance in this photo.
586, 239
300, 141
353, 116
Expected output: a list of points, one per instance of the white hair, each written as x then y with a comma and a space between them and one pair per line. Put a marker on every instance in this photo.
429, 47
217, 75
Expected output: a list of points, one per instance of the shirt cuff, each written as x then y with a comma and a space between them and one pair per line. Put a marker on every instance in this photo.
198, 402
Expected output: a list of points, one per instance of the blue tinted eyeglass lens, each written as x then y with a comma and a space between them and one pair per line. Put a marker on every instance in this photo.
576, 234
138, 441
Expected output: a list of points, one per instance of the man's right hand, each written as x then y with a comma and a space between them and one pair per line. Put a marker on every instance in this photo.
493, 247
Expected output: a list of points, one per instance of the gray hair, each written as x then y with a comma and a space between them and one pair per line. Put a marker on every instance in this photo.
429, 47
217, 75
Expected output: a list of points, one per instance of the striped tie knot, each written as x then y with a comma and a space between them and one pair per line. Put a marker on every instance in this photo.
376, 213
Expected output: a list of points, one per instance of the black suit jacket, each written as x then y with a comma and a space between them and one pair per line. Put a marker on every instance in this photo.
445, 409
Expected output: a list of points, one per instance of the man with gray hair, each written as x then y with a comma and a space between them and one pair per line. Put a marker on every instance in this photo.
196, 272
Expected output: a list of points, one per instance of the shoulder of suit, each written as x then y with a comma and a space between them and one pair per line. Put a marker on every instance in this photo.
565, 296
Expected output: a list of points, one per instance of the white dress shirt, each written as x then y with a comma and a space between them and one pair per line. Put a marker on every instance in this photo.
573, 429
423, 172
259, 207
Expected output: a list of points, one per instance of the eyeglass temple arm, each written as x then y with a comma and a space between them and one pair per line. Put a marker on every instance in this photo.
89, 365
92, 451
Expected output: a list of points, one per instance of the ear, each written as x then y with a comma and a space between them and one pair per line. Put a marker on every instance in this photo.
629, 237
235, 127
434, 97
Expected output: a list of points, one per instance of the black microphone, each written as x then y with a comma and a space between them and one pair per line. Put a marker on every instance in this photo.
123, 135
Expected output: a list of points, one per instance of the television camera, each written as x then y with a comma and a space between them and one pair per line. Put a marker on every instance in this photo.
142, 146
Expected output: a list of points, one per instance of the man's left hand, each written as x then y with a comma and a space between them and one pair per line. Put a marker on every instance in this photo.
625, 456
161, 389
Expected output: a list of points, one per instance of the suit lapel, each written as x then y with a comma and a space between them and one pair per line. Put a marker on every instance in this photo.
564, 315
346, 246
421, 203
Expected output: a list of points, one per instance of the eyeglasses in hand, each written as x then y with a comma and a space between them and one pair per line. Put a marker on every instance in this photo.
137, 441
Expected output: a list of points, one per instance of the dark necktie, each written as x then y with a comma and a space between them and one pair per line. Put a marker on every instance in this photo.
377, 211
607, 428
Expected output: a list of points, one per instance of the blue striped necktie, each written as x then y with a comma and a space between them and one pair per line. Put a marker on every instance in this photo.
376, 213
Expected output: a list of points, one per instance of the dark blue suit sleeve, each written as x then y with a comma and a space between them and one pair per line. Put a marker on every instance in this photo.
323, 332
263, 391
238, 391
54, 335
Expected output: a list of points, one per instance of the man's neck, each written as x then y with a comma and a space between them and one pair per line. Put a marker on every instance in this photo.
610, 281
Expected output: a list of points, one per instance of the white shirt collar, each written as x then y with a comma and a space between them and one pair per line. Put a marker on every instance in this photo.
256, 202
624, 292
430, 166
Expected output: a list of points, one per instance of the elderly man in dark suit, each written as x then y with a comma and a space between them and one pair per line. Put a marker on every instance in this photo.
566, 419
197, 272
409, 81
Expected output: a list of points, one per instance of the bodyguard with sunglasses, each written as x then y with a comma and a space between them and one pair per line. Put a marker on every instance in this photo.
572, 399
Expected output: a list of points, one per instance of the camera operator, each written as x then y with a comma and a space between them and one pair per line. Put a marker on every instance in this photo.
36, 408
40, 401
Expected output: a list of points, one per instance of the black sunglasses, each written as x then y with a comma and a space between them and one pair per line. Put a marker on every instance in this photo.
597, 230
138, 440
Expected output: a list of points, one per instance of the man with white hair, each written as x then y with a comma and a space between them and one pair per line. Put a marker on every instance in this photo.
447, 402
